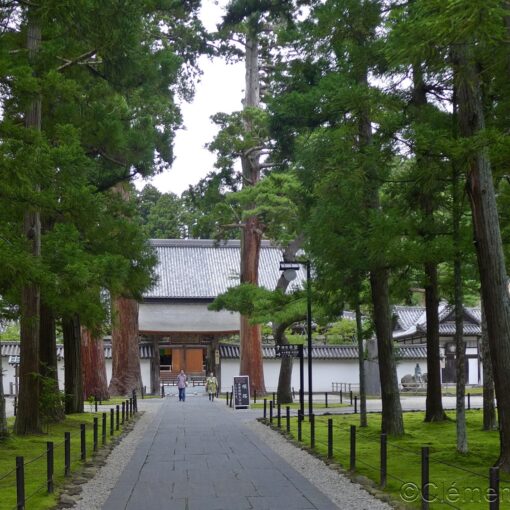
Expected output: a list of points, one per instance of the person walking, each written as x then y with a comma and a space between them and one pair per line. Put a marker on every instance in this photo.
181, 384
211, 385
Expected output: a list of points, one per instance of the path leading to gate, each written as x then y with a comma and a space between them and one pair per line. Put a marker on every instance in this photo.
200, 454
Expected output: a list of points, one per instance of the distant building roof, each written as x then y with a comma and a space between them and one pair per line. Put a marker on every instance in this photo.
411, 321
231, 351
203, 269
9, 349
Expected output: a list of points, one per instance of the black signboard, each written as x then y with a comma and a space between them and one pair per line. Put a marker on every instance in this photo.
241, 391
286, 351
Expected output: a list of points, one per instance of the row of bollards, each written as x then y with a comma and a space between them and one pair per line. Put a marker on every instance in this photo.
118, 415
493, 490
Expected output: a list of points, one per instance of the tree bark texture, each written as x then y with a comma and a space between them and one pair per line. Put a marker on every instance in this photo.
251, 362
361, 362
126, 375
284, 392
73, 382
392, 421
489, 409
487, 237
434, 405
93, 365
28, 418
3, 416
285, 377
48, 362
460, 345
155, 367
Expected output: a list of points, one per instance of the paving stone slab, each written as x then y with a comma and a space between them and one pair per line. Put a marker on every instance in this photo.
201, 455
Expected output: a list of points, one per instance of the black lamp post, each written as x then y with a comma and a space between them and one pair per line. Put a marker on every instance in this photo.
289, 273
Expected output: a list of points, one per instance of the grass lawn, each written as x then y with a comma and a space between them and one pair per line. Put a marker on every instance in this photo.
459, 480
295, 405
33, 449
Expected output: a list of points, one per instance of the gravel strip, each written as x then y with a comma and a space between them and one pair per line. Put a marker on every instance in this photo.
96, 491
340, 489
337, 487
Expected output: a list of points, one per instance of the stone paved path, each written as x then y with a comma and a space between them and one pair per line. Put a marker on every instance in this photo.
200, 455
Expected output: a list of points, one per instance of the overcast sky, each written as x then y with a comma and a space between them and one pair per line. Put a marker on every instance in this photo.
220, 90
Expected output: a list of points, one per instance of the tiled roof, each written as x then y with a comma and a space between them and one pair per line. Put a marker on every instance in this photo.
198, 268
411, 321
231, 351
12, 349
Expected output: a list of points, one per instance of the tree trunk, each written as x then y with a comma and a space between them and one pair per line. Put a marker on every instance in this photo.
434, 405
460, 345
4, 432
126, 375
93, 365
155, 367
392, 421
489, 409
487, 237
363, 422
49, 365
285, 377
28, 420
72, 362
251, 236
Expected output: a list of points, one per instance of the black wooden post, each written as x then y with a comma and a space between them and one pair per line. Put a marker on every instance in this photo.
279, 415
330, 438
103, 429
384, 459
95, 404
355, 404
226, 397
83, 446
128, 415
162, 390
351, 396
95, 434
353, 448
341, 397
287, 416
50, 463
424, 477
265, 408
494, 488
254, 396
326, 399
271, 405
469, 401
312, 431
300, 429
67, 453
20, 483
117, 417
112, 421
123, 412
130, 408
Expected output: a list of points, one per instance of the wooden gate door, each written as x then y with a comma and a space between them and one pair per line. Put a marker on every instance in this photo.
178, 361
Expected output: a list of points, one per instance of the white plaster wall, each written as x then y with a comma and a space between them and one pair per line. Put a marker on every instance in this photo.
407, 366
324, 372
145, 369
